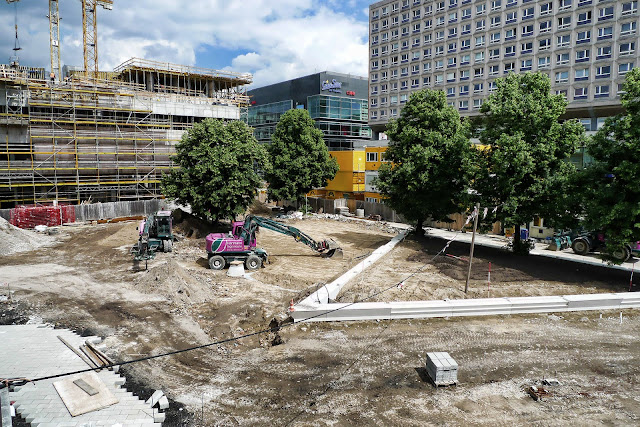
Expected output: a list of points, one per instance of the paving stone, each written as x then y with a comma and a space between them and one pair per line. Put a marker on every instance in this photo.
34, 351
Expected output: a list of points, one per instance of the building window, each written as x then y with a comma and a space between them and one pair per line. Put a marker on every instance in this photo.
562, 58
452, 47
478, 88
494, 53
562, 77
426, 66
465, 29
439, 64
628, 28
478, 72
465, 59
545, 26
527, 30
564, 22
564, 40
465, 44
451, 62
527, 13
464, 90
605, 13
451, 91
624, 68
477, 103
480, 41
562, 92
627, 48
464, 75
526, 47
581, 74
466, 13
481, 9
509, 67
602, 91
544, 61
581, 93
584, 37
512, 17
629, 8
565, 4
604, 52
463, 105
526, 65
495, 21
603, 72
479, 57
584, 18
453, 32
546, 8
480, 24
451, 77
372, 157
426, 81
582, 55
605, 33
544, 44
494, 70
509, 34
495, 37
509, 51
496, 5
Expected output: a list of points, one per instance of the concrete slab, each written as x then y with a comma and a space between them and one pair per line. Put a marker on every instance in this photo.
77, 400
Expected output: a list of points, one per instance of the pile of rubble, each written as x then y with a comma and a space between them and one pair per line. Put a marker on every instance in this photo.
14, 239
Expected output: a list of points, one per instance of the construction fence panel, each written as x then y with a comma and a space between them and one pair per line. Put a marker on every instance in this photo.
97, 211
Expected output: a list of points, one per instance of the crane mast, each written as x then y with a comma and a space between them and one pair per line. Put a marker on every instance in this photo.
90, 33
54, 38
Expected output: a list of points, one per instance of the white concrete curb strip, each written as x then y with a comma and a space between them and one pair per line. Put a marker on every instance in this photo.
331, 290
467, 307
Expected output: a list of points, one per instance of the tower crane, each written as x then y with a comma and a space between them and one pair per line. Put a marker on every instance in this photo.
89, 34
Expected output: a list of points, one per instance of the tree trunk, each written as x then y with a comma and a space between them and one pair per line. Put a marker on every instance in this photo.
516, 237
419, 231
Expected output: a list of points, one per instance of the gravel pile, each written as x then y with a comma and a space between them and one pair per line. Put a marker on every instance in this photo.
14, 239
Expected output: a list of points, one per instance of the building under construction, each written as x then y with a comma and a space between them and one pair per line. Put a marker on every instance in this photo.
104, 138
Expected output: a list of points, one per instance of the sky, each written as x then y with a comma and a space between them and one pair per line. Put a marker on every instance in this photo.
274, 40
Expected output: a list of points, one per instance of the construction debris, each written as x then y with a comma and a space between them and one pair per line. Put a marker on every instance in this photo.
537, 392
16, 240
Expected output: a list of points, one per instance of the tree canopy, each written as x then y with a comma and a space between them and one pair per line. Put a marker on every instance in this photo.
524, 168
429, 160
610, 191
299, 158
217, 169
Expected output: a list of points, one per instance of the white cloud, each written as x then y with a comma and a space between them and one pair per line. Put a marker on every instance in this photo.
283, 39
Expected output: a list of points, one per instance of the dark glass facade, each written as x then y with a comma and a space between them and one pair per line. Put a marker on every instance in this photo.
337, 102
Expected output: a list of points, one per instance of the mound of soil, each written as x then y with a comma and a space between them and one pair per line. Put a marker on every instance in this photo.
14, 239
192, 227
175, 283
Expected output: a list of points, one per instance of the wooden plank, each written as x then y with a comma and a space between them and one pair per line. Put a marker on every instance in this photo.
85, 387
98, 353
80, 355
94, 359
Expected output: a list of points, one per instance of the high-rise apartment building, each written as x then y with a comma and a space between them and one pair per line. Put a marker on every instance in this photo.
462, 46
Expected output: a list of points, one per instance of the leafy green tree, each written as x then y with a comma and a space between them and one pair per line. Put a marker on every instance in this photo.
524, 168
430, 160
217, 169
610, 187
299, 158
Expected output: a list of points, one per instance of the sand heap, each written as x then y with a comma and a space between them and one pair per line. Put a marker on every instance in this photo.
14, 239
176, 284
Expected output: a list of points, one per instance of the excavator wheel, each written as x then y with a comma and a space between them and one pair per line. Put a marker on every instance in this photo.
253, 262
217, 262
167, 246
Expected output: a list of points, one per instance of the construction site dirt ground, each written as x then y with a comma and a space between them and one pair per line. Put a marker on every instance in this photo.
352, 373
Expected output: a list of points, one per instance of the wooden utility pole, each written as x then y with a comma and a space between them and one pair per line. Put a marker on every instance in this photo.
473, 241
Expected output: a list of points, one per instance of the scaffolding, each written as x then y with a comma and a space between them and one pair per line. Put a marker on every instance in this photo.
100, 139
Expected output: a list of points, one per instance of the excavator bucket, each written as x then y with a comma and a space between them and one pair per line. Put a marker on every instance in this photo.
333, 251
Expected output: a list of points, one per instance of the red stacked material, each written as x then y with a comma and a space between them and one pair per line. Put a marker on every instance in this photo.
30, 216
